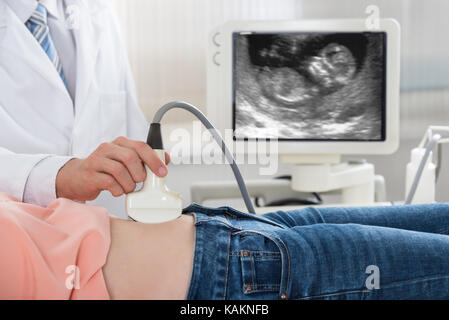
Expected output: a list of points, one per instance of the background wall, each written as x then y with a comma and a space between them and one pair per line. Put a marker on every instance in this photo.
167, 45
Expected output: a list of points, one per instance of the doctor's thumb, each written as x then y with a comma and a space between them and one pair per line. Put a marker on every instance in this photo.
162, 171
158, 166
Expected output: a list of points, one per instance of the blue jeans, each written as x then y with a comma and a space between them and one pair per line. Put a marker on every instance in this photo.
321, 253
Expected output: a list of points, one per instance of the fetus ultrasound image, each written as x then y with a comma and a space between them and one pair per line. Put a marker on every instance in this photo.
309, 86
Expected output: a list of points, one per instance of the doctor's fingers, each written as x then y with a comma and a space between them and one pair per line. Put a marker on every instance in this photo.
167, 158
118, 171
146, 153
105, 181
128, 157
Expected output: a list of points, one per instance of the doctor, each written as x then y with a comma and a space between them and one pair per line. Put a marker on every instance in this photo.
70, 125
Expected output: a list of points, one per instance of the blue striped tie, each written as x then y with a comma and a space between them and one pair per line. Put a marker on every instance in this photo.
37, 24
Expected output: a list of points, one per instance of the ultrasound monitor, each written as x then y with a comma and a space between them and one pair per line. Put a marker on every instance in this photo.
309, 86
317, 86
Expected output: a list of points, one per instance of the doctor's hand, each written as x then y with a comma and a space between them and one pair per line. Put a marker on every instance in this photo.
117, 166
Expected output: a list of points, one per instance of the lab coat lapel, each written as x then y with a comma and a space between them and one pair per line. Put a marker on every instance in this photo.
88, 35
17, 39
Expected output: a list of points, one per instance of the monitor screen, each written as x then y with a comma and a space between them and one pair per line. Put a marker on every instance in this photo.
309, 86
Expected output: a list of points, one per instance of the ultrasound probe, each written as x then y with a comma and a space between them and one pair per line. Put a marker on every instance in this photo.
155, 203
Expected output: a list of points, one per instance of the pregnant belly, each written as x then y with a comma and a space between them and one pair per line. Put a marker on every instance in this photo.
150, 261
171, 255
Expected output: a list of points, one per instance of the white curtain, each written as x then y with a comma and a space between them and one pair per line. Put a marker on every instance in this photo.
167, 43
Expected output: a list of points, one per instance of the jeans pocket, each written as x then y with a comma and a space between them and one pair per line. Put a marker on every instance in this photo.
262, 264
261, 271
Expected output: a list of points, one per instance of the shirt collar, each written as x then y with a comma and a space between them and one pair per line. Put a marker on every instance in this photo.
52, 7
25, 8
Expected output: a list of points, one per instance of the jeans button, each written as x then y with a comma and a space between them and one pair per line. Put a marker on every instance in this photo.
283, 296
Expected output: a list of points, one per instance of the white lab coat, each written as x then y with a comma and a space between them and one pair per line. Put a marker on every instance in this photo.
37, 115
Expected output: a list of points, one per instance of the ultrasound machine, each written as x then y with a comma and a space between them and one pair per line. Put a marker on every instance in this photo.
319, 90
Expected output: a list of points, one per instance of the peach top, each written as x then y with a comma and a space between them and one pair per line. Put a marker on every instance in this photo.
52, 253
